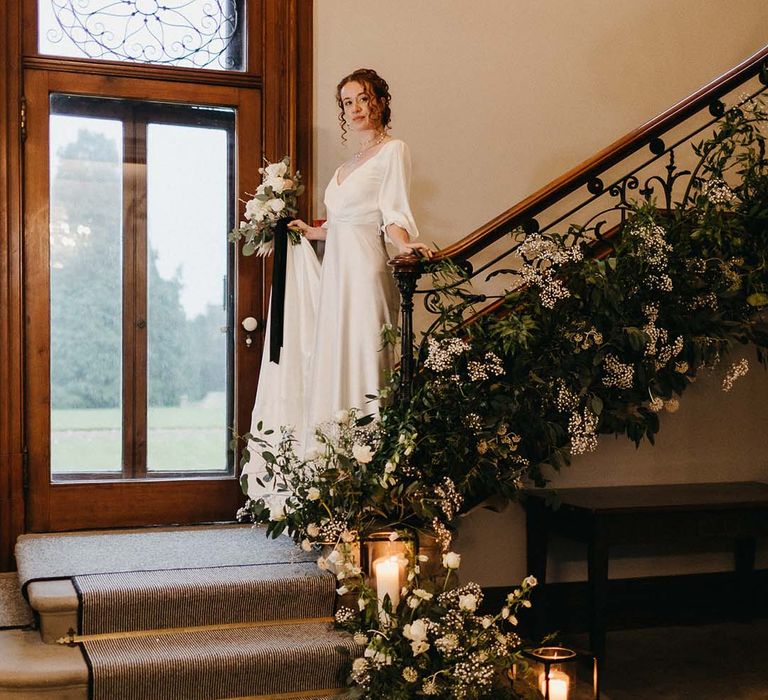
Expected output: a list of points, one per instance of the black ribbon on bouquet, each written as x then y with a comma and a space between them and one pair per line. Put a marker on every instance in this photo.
277, 304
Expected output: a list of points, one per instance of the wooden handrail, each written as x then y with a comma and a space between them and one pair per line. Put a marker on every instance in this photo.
582, 174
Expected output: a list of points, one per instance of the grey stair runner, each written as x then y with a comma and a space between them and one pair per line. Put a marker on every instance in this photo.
196, 613
210, 664
46, 557
196, 597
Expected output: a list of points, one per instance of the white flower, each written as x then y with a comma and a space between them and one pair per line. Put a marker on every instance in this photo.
276, 205
410, 675
313, 530
419, 647
451, 560
255, 209
342, 590
486, 622
421, 593
362, 604
313, 494
413, 602
322, 563
334, 557
530, 581
360, 639
505, 612
416, 631
423, 557
276, 509
468, 602
276, 183
359, 665
342, 416
362, 453
389, 468
306, 545
276, 169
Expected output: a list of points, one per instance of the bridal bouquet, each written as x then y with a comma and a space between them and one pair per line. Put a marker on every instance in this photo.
275, 200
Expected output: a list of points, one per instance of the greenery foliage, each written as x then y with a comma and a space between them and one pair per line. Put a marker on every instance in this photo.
587, 345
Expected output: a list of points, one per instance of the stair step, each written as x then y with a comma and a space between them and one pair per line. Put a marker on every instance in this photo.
197, 597
221, 663
300, 662
33, 670
181, 598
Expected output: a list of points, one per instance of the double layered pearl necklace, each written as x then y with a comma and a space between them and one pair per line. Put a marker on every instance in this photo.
359, 154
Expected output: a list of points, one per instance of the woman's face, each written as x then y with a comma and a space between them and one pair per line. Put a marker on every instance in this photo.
357, 107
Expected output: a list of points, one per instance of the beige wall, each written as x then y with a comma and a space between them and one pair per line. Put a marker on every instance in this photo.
495, 99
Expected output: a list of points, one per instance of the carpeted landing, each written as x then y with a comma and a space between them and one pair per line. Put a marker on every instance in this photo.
196, 613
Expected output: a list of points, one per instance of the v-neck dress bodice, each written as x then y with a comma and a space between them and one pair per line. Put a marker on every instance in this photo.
357, 291
343, 313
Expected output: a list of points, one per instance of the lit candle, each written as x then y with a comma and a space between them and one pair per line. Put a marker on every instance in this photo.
558, 685
387, 572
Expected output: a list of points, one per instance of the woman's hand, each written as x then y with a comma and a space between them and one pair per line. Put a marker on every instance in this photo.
311, 233
417, 249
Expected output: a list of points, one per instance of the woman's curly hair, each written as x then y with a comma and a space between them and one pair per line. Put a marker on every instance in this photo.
378, 93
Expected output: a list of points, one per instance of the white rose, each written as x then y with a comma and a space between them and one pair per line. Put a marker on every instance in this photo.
424, 595
334, 557
313, 530
276, 205
451, 560
276, 169
342, 416
313, 494
468, 602
416, 631
276, 183
362, 453
255, 209
276, 509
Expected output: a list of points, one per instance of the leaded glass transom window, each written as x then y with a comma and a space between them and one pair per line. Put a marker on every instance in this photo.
185, 33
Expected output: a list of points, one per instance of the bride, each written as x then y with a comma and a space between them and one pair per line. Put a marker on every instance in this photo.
332, 356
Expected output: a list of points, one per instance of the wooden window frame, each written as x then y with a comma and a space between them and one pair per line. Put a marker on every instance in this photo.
282, 68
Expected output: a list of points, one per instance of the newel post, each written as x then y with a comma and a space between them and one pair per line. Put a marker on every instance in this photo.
406, 269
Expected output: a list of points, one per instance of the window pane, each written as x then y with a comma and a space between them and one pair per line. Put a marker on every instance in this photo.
189, 33
188, 212
86, 293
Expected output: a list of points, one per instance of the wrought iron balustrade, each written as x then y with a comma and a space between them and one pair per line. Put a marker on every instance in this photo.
590, 203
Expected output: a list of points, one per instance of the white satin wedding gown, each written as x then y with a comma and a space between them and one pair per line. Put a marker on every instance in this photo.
332, 353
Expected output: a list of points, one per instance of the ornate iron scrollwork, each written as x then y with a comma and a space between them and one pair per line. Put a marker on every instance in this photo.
194, 33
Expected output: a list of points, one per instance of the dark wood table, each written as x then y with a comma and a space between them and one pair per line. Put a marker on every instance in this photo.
626, 515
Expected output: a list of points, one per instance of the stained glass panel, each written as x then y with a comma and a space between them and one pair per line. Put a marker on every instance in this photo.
186, 33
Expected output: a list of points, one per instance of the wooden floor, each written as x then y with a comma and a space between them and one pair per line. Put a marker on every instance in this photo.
704, 662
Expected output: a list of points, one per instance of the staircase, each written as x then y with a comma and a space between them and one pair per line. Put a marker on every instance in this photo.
192, 613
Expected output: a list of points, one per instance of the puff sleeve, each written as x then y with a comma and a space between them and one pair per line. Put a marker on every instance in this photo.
395, 188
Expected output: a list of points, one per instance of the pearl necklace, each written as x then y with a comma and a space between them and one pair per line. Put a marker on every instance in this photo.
359, 154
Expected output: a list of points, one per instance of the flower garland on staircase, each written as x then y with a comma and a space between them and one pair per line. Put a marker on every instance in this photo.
588, 345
